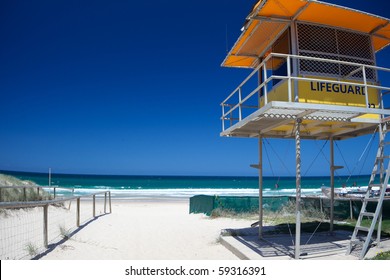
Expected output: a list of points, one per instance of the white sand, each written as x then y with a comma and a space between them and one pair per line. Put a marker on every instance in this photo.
137, 230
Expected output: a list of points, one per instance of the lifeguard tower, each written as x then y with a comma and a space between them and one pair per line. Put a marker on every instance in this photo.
314, 76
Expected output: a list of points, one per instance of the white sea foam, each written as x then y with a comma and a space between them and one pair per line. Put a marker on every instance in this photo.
186, 193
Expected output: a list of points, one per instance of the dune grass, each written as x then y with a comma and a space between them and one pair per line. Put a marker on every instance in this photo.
29, 193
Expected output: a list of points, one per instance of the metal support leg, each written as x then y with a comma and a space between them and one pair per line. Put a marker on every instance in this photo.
331, 185
298, 189
260, 187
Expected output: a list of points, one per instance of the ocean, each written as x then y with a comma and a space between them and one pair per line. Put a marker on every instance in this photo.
129, 186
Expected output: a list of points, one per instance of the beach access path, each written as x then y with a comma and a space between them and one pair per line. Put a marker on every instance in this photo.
149, 230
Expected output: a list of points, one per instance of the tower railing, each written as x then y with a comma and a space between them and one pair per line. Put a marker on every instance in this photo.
255, 91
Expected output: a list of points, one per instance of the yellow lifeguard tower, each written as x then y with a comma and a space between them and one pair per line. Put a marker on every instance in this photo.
314, 76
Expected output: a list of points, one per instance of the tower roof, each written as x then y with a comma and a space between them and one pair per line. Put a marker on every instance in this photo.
270, 18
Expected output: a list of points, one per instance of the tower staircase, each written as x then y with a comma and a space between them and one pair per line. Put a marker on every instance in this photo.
362, 235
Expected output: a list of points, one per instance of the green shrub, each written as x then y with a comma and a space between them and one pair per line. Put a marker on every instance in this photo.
382, 256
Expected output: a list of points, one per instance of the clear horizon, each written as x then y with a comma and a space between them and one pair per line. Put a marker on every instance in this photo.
6, 172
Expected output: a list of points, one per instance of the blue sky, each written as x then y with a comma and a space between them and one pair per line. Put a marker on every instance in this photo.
134, 87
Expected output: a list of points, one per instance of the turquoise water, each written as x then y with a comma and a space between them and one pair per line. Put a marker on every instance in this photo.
184, 186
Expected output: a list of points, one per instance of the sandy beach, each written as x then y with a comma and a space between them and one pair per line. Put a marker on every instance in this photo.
148, 227
148, 230
159, 234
